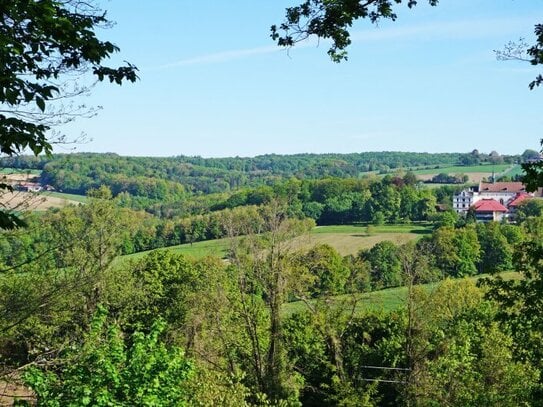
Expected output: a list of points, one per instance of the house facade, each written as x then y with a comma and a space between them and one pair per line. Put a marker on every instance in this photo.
488, 210
491, 201
464, 200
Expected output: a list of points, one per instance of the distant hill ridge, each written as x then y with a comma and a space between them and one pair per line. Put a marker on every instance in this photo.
77, 172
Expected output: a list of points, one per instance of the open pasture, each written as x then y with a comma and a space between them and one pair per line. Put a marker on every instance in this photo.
475, 173
461, 169
31, 201
385, 300
346, 239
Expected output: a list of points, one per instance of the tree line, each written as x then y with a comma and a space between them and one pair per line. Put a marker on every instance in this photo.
327, 202
391, 199
154, 178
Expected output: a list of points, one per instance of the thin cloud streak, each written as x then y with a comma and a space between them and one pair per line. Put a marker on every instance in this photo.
218, 57
457, 29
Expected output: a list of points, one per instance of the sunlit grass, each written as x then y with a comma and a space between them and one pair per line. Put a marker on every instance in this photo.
460, 169
386, 300
346, 239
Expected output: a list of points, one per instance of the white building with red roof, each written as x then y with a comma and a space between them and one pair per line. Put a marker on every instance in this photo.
494, 197
503, 192
488, 210
513, 205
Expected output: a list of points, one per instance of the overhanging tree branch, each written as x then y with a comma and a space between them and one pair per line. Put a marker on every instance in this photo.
42, 45
332, 20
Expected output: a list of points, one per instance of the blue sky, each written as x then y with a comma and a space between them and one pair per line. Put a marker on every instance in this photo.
212, 83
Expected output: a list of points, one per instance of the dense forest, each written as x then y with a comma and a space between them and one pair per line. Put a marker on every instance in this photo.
328, 201
270, 324
168, 178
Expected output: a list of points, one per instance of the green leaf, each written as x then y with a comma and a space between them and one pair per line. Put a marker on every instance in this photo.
41, 103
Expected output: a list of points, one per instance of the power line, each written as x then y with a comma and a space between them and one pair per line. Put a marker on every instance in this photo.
386, 368
400, 369
384, 381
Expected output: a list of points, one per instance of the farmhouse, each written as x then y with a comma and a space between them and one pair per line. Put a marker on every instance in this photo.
492, 201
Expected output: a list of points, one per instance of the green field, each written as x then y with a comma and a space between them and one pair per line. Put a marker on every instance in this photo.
8, 170
400, 228
62, 195
346, 239
382, 300
196, 250
459, 169
466, 185
385, 300
514, 171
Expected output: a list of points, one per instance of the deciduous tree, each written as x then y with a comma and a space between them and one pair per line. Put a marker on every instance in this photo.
45, 44
104, 371
332, 20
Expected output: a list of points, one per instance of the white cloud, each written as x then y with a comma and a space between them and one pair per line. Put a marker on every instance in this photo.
218, 57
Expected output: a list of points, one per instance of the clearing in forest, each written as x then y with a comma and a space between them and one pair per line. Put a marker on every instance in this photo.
388, 299
346, 239
475, 173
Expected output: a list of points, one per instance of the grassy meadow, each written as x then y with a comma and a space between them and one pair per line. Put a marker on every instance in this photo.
346, 239
8, 171
385, 300
460, 169
68, 197
514, 171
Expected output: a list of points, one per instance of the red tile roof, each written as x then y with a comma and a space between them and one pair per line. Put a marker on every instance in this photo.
489, 205
519, 198
502, 187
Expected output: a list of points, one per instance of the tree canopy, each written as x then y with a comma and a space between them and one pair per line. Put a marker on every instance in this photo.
42, 44
333, 20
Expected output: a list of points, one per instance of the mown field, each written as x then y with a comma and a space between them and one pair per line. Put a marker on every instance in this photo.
346, 239
62, 195
31, 201
459, 169
26, 201
475, 173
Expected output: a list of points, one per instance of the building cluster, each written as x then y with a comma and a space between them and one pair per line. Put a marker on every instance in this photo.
28, 186
492, 201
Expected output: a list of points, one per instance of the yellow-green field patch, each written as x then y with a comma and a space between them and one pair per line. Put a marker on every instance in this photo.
346, 239
389, 299
31, 201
